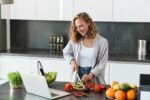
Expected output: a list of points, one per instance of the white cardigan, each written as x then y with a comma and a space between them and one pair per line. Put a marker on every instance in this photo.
72, 51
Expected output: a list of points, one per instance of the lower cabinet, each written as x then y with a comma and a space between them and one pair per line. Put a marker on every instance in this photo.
106, 77
115, 70
58, 65
13, 63
128, 72
29, 65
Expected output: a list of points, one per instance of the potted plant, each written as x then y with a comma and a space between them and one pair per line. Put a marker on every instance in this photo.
15, 80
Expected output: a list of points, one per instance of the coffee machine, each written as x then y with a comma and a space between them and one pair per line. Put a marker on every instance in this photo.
144, 87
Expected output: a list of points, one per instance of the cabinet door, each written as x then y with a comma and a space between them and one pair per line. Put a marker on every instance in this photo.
107, 73
66, 10
131, 10
48, 9
99, 10
23, 9
128, 72
13, 63
53, 65
6, 11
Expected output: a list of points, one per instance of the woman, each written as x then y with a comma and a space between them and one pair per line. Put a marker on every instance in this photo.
87, 51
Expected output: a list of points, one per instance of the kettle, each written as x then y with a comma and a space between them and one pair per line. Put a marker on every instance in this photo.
142, 49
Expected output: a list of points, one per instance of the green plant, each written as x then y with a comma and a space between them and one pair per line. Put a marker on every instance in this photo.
15, 79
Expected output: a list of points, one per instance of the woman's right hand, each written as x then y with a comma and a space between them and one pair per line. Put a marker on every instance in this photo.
73, 65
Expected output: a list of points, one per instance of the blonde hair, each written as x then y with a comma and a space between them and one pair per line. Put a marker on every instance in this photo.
74, 35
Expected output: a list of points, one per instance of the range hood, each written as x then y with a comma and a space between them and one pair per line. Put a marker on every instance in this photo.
6, 1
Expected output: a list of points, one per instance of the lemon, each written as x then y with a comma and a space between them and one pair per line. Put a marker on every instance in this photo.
133, 86
116, 87
114, 83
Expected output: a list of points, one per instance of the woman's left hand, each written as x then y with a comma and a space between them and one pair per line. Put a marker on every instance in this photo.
86, 78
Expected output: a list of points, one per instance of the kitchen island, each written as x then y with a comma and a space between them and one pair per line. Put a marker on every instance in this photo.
7, 94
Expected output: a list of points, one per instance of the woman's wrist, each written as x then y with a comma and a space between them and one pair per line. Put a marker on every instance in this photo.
71, 61
91, 75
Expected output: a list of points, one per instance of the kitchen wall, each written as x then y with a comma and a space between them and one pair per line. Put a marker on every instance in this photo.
122, 37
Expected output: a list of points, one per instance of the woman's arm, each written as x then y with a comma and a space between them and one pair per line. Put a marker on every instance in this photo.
68, 52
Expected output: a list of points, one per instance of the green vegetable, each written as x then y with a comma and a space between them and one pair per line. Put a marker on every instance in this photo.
15, 78
50, 77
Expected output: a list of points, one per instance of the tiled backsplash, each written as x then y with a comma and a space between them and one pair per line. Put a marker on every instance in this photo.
122, 37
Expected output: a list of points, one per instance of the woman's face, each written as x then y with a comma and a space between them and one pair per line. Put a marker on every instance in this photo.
81, 26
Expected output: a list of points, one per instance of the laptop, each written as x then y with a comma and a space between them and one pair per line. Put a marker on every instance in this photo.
37, 85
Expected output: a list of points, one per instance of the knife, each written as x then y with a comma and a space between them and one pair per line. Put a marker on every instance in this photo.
79, 77
40, 67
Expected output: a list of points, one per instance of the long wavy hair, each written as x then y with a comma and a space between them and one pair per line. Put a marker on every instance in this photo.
92, 31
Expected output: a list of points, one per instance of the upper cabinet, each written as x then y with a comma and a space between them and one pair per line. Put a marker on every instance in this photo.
38, 10
20, 9
99, 10
131, 10
65, 10
48, 9
54, 9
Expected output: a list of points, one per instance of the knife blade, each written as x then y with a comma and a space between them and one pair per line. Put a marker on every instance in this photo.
79, 77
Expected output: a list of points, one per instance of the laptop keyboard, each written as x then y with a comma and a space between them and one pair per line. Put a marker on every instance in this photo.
53, 94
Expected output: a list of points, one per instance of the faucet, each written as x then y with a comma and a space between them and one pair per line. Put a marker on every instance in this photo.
40, 68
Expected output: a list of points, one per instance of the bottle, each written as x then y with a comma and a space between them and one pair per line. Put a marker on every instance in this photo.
61, 39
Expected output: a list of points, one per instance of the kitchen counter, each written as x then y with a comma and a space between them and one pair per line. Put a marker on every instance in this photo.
46, 53
7, 94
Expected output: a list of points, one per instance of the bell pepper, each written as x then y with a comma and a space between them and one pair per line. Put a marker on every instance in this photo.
98, 88
68, 87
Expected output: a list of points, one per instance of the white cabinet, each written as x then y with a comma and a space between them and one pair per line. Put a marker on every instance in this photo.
38, 10
48, 9
99, 10
128, 72
13, 63
106, 77
20, 9
66, 10
131, 10
6, 11
54, 9
58, 65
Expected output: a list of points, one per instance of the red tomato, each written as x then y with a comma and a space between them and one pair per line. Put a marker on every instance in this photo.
98, 88
68, 87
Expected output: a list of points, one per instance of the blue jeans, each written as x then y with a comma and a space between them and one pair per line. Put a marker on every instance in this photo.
84, 70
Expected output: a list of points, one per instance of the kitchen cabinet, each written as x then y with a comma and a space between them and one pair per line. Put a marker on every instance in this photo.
99, 10
48, 9
58, 65
20, 9
54, 9
13, 63
131, 10
66, 10
38, 10
128, 71
106, 77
